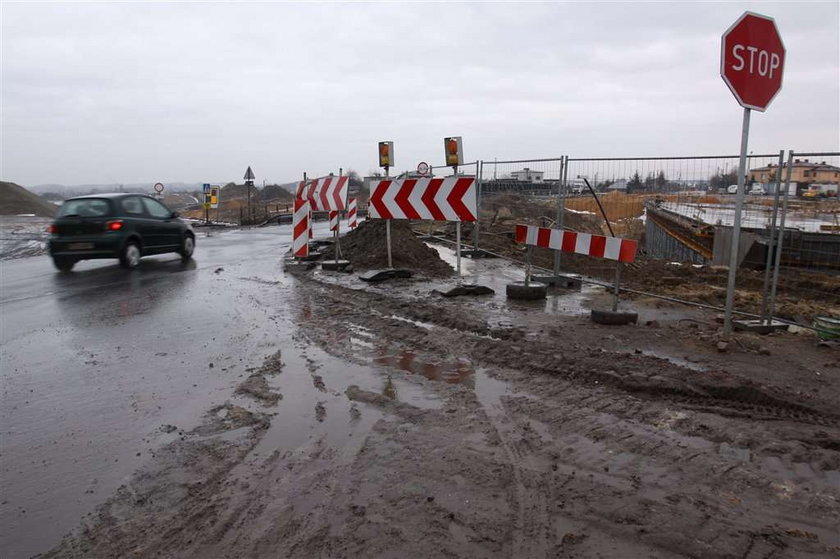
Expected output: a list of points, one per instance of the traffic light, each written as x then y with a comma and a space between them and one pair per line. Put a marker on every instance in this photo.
386, 154
454, 150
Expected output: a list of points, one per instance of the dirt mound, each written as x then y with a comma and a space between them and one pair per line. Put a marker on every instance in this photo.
366, 248
16, 200
516, 208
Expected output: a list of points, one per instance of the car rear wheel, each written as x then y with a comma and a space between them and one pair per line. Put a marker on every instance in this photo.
130, 255
63, 263
187, 247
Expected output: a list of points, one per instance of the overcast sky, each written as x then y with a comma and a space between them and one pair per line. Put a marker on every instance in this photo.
195, 92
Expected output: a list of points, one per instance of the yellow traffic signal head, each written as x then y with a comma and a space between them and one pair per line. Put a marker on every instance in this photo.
453, 148
386, 154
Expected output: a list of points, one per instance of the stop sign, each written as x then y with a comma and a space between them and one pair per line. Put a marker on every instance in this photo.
752, 60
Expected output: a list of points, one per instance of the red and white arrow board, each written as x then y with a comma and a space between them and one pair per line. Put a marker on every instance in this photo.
611, 248
448, 199
324, 194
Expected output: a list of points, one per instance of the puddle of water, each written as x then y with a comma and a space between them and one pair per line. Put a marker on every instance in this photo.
426, 325
314, 405
678, 361
448, 255
457, 372
489, 392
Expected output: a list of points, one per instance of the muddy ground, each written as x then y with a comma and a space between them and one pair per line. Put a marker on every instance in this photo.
498, 430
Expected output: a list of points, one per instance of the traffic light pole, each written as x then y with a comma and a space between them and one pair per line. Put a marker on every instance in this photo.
736, 225
457, 237
388, 232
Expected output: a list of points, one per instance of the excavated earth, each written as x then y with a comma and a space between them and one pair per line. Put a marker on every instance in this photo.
366, 247
496, 429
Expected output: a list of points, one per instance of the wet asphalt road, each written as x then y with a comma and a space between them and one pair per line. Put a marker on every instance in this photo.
95, 362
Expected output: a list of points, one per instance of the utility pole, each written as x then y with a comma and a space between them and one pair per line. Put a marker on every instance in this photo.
249, 182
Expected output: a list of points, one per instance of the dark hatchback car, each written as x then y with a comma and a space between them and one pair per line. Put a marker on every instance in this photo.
124, 226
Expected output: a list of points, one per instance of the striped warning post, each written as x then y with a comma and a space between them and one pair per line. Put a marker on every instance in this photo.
351, 213
599, 246
300, 229
333, 221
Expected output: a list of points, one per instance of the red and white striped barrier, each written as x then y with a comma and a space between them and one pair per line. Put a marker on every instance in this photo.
300, 229
325, 193
447, 199
599, 246
351, 214
333, 221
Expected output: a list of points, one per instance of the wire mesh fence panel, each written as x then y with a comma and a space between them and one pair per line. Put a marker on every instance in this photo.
680, 209
516, 191
808, 284
467, 169
526, 188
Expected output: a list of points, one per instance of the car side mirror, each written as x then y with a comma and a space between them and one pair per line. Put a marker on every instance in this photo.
175, 214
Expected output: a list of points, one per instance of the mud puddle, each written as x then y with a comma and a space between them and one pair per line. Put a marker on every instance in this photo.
315, 408
453, 372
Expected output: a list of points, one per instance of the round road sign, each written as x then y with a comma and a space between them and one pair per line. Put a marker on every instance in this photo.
752, 60
158, 187
423, 168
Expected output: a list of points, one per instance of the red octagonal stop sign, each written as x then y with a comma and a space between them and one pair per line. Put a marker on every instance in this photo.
752, 60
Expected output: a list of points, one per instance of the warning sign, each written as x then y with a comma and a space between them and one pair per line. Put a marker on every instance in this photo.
212, 196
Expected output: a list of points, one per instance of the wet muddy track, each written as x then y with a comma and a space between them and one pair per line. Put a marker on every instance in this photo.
437, 428
642, 375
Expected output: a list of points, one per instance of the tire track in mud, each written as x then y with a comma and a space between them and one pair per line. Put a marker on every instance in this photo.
511, 348
532, 520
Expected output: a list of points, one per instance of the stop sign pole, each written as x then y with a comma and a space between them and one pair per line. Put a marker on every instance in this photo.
752, 58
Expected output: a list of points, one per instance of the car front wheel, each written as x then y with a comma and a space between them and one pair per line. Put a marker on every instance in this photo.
187, 247
130, 256
63, 263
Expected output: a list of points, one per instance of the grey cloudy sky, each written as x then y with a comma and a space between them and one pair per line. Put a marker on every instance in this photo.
194, 92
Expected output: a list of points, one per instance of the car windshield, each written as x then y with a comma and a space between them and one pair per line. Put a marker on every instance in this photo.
86, 207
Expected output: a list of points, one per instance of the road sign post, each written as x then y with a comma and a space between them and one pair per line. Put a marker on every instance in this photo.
206, 203
752, 60
249, 182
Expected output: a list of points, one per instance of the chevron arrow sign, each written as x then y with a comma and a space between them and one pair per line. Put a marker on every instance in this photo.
447, 199
326, 194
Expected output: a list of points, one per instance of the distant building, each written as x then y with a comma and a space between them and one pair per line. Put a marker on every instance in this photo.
527, 175
803, 171
620, 185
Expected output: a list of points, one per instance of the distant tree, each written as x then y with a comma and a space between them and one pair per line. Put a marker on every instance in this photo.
661, 181
634, 183
649, 181
354, 179
722, 179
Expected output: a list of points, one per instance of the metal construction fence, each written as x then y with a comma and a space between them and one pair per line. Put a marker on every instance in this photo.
682, 210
